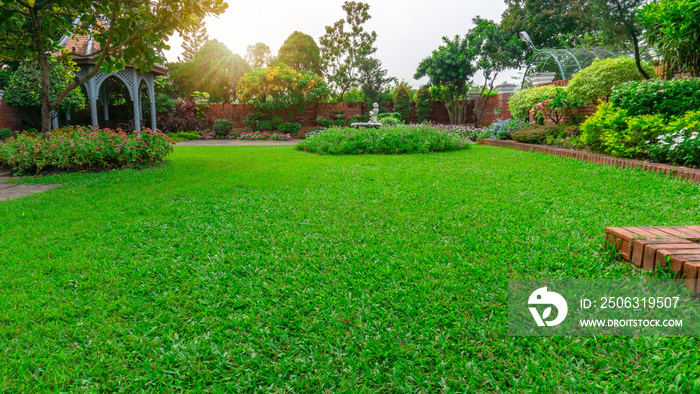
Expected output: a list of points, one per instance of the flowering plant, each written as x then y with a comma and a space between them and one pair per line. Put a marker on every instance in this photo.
681, 147
503, 129
264, 135
78, 147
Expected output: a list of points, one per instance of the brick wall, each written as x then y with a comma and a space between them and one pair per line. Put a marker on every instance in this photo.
10, 118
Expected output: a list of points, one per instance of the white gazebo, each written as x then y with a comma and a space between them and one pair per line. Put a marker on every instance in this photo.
101, 85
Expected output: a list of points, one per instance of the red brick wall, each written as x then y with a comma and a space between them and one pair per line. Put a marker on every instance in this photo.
236, 113
10, 118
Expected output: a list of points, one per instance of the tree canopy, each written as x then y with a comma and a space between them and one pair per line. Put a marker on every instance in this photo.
128, 32
214, 69
300, 52
258, 55
343, 51
193, 40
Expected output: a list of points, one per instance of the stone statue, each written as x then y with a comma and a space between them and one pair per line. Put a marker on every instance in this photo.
373, 114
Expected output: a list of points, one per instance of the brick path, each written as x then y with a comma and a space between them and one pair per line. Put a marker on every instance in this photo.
656, 247
9, 191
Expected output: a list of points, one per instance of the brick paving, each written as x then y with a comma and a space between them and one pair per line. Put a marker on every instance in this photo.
652, 248
9, 191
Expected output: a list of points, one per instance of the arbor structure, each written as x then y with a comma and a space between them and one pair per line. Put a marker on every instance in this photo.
450, 66
343, 50
123, 32
258, 55
300, 52
193, 40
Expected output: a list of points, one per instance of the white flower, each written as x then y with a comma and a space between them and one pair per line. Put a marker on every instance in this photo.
678, 140
673, 146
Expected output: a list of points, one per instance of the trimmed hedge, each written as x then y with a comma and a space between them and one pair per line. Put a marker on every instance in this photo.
666, 97
524, 100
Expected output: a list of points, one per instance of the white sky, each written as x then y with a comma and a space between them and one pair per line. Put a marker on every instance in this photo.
407, 30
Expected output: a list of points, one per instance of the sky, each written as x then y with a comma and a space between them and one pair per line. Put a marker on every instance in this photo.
407, 30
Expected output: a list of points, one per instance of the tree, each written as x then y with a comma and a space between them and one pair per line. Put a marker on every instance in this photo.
280, 87
214, 69
618, 23
300, 52
450, 66
372, 78
343, 51
423, 100
258, 55
402, 102
550, 23
673, 27
193, 40
495, 52
127, 31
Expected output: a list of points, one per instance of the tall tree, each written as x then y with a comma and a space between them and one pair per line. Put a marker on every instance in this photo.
193, 40
373, 78
300, 52
495, 52
343, 51
619, 25
258, 55
214, 69
130, 32
550, 23
449, 67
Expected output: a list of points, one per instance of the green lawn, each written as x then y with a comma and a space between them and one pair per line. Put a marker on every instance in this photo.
274, 270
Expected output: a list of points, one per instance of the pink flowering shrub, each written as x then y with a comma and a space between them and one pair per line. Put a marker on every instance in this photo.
82, 148
264, 135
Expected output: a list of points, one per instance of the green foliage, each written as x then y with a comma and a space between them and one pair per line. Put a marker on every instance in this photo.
184, 136
83, 148
193, 39
631, 141
522, 101
24, 90
300, 52
402, 103
373, 79
344, 49
387, 115
280, 87
503, 129
556, 106
385, 140
672, 26
450, 66
214, 69
537, 134
5, 76
681, 142
251, 120
666, 97
222, 127
597, 80
289, 128
423, 104
607, 119
135, 35
264, 125
258, 55
6, 133
339, 122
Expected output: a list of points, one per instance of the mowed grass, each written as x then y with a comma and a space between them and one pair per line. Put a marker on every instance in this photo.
273, 270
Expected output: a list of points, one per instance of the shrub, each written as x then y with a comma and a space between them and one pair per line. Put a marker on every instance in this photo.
251, 120
6, 133
423, 100
536, 134
597, 80
83, 148
264, 135
186, 117
326, 123
390, 121
666, 97
556, 106
631, 141
359, 119
386, 140
504, 129
606, 118
289, 128
184, 136
339, 123
222, 127
522, 101
264, 125
386, 115
402, 103
680, 147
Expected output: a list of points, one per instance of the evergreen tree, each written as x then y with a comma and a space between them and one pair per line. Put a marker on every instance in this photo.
193, 40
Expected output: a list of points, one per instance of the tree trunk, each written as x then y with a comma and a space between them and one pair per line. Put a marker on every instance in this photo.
637, 59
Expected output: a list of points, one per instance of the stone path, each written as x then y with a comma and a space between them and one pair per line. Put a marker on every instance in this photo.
234, 143
9, 191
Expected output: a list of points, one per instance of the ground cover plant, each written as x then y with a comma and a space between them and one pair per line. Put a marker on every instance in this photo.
81, 148
269, 269
263, 136
396, 139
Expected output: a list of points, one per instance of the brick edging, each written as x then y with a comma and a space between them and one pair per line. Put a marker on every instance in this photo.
690, 174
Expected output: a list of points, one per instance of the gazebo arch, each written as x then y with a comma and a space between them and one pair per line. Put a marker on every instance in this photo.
131, 77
